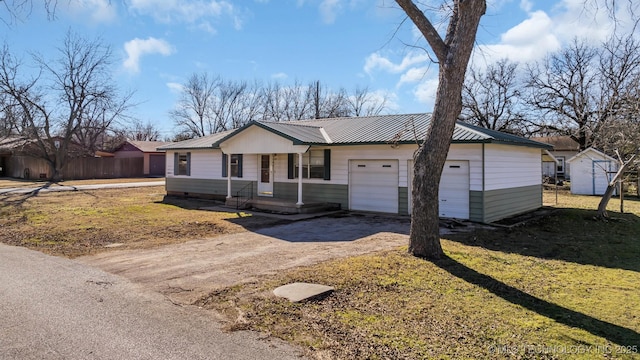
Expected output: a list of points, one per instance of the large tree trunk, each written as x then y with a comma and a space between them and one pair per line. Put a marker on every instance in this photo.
453, 56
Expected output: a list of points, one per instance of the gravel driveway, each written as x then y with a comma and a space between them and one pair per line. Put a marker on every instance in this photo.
186, 272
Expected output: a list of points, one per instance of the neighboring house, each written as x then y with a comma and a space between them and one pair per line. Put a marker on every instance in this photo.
591, 172
154, 159
564, 148
7, 147
362, 163
17, 158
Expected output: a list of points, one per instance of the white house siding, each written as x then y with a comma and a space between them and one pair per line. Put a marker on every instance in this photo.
511, 166
206, 175
207, 164
513, 176
513, 182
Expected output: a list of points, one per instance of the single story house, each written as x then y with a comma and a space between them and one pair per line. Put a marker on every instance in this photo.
154, 159
564, 148
592, 172
361, 163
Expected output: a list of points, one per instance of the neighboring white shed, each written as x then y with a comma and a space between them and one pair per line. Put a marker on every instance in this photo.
591, 171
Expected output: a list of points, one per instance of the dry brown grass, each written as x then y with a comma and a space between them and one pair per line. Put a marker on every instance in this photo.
85, 222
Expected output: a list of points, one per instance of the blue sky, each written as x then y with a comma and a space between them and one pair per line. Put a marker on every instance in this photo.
343, 43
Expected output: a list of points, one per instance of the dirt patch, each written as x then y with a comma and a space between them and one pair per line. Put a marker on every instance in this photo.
187, 272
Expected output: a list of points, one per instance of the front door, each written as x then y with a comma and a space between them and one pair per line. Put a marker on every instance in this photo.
265, 171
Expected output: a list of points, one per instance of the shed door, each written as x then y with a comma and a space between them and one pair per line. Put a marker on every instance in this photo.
373, 185
602, 173
454, 189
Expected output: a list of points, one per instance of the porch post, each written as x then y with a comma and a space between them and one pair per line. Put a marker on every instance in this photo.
229, 176
299, 203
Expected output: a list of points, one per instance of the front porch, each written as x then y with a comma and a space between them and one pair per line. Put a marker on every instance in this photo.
280, 206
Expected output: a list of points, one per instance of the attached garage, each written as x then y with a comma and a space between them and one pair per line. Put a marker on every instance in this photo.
373, 185
453, 194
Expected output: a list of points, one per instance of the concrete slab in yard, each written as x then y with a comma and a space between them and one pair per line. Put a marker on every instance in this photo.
297, 292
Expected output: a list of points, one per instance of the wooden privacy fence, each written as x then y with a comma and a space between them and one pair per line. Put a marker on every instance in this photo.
25, 167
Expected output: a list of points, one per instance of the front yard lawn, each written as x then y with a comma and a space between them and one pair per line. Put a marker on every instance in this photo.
76, 223
563, 286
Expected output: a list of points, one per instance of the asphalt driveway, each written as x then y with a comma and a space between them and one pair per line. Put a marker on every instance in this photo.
186, 272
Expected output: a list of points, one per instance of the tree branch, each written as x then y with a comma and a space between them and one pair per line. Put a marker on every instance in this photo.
426, 28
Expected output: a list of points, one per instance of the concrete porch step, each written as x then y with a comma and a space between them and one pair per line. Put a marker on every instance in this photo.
279, 205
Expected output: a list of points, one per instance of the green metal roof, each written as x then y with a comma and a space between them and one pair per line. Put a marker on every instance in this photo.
205, 142
382, 129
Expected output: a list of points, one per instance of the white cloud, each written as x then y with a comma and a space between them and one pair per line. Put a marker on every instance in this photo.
329, 9
542, 33
526, 5
530, 40
207, 27
376, 61
425, 92
186, 11
279, 76
95, 11
137, 48
413, 75
175, 88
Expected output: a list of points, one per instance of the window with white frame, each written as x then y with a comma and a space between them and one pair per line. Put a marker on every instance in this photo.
560, 165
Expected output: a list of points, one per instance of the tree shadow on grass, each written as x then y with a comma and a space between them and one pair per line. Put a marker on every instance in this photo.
17, 197
614, 333
570, 235
20, 196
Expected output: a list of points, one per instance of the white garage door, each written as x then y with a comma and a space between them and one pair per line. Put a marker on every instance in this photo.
454, 189
373, 185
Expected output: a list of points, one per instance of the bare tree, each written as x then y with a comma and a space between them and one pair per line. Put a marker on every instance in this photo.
193, 115
452, 54
55, 103
563, 88
583, 88
140, 131
99, 121
247, 107
492, 98
363, 103
16, 10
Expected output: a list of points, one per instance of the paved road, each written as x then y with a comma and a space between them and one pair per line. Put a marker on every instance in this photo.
55, 308
26, 190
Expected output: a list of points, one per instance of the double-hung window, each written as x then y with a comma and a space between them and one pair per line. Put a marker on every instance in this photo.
313, 165
236, 165
182, 164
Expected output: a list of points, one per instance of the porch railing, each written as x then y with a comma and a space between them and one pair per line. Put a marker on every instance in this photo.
244, 195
